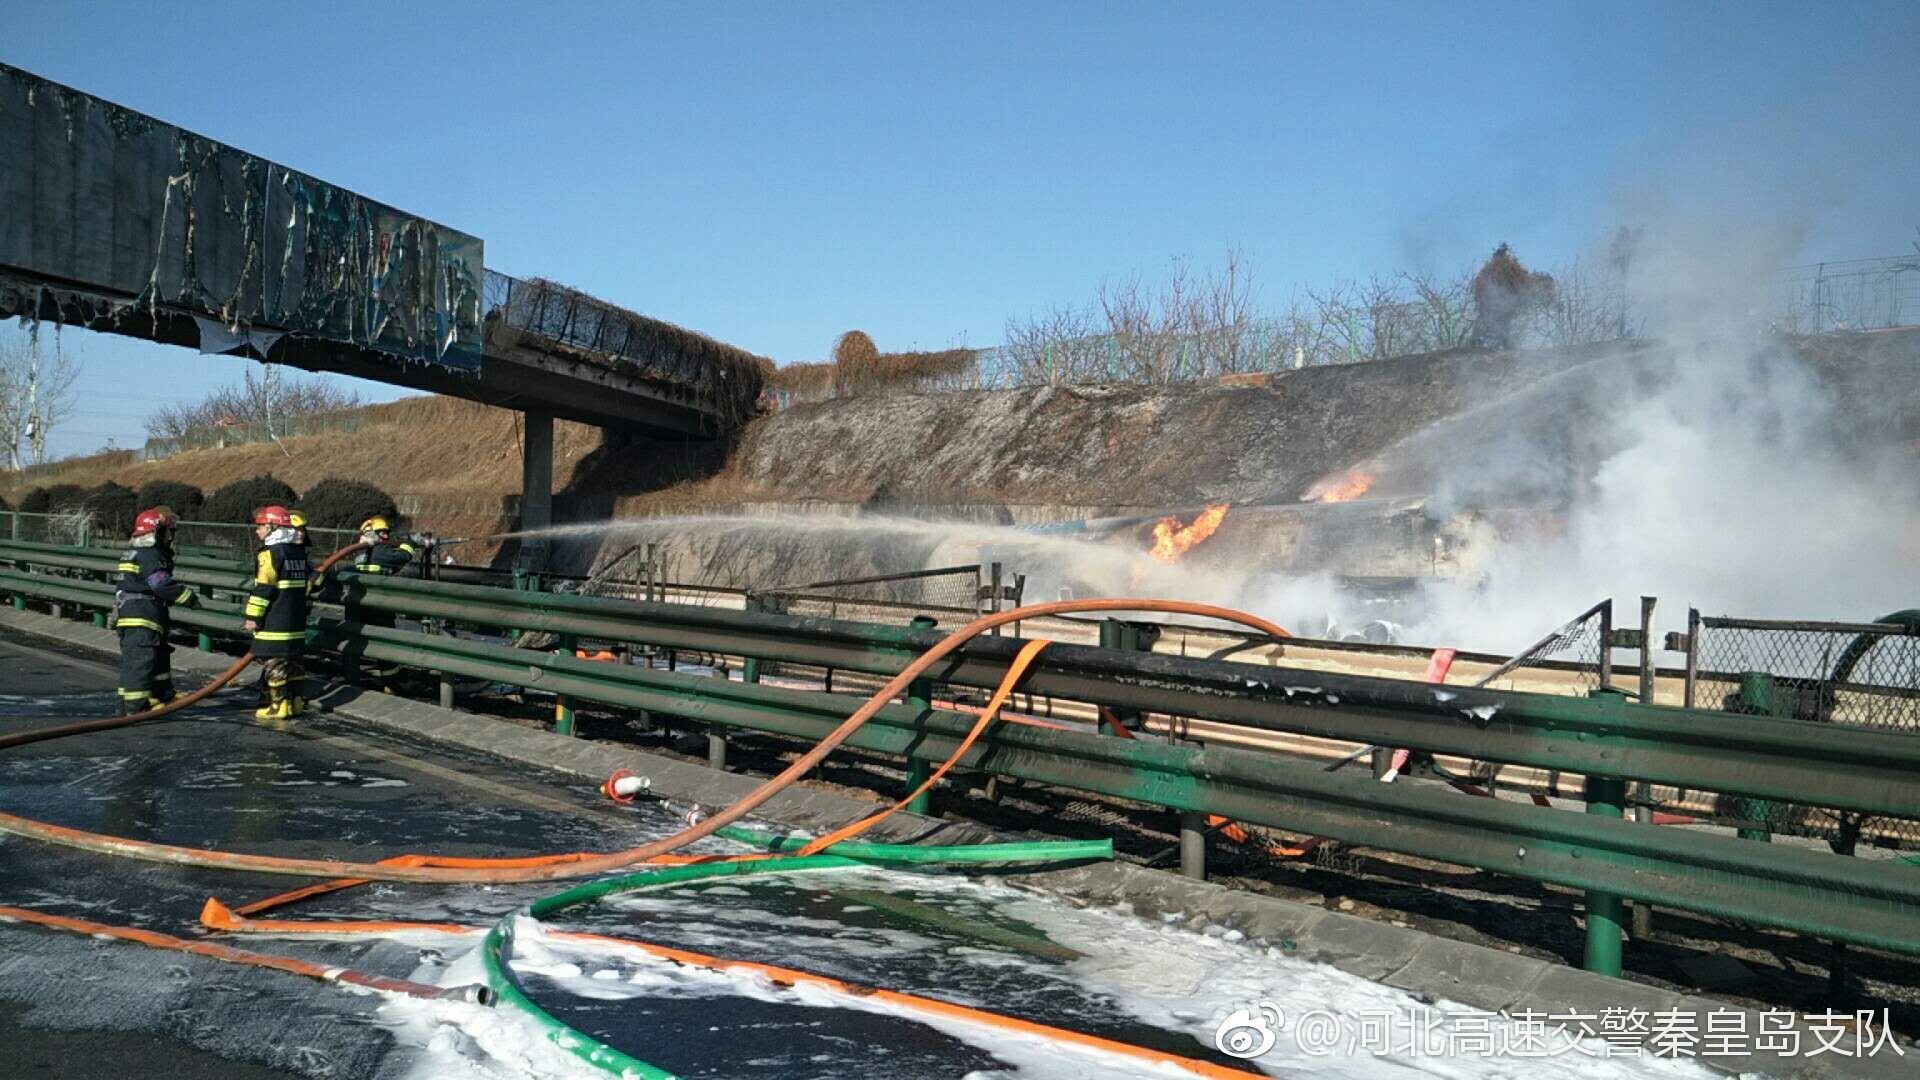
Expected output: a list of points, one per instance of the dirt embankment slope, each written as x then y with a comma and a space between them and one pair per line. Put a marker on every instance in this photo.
448, 457
1265, 441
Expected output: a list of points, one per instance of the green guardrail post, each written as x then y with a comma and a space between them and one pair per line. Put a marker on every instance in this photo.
1606, 797
350, 609
521, 583
717, 745
562, 704
1128, 637
920, 700
750, 665
1760, 696
203, 640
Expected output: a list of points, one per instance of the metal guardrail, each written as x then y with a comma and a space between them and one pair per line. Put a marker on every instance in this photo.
1868, 771
1873, 903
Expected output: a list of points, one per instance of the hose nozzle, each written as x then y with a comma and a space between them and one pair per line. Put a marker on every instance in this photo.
471, 993
624, 785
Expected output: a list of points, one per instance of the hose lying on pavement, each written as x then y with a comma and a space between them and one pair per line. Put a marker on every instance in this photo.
551, 867
619, 860
497, 946
22, 738
477, 994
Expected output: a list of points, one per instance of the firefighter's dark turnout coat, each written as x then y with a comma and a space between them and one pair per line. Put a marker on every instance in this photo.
144, 596
277, 600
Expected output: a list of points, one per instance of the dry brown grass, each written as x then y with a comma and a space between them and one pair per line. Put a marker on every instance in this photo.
420, 446
806, 380
859, 369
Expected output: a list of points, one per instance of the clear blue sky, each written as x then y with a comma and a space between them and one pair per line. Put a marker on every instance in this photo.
775, 174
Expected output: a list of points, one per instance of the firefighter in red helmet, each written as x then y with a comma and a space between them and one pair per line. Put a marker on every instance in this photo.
277, 611
142, 602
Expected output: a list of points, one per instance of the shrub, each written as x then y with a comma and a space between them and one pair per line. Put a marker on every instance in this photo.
112, 506
184, 500
237, 501
49, 500
1505, 295
335, 503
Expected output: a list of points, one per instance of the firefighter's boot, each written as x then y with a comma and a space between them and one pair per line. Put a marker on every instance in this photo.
279, 706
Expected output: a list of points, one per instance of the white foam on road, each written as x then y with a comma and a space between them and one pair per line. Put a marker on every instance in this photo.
1182, 977
1162, 973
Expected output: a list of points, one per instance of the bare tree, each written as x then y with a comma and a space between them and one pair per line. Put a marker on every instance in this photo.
1446, 308
266, 401
1306, 333
1054, 348
1338, 310
1147, 325
1224, 323
1583, 309
1621, 253
36, 394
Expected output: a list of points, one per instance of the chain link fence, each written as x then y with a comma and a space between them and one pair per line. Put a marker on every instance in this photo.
946, 594
1856, 294
1860, 674
1856, 674
215, 538
227, 539
71, 527
221, 437
1575, 649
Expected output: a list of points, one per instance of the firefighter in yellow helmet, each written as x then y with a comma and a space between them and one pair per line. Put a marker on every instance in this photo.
277, 611
388, 556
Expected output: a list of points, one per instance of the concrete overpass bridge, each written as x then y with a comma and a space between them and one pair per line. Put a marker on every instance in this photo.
118, 222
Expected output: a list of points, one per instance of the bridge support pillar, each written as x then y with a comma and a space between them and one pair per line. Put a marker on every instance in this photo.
536, 486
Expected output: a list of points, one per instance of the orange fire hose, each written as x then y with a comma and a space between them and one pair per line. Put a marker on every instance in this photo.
1000, 696
287, 964
109, 723
599, 864
1023, 660
22, 738
216, 916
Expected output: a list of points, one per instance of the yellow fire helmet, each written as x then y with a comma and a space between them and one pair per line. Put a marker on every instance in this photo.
375, 524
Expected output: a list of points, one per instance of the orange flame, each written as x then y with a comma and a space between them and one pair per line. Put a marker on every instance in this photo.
1170, 540
1349, 485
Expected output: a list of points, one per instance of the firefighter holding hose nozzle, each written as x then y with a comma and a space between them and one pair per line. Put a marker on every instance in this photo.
277, 611
382, 555
143, 598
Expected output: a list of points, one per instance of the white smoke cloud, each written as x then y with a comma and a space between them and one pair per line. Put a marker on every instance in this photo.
1731, 481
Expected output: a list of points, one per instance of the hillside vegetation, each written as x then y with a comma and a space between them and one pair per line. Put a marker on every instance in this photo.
455, 465
428, 449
